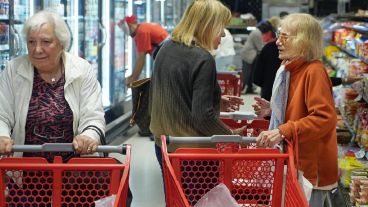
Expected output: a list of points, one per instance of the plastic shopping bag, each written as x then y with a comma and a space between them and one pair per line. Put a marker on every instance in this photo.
106, 202
218, 196
307, 186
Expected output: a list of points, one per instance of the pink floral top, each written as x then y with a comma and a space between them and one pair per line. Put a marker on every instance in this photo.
49, 118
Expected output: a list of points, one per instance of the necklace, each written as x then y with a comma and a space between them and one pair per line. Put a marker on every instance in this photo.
56, 78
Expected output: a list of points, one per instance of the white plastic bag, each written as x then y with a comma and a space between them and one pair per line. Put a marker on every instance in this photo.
307, 186
218, 196
106, 202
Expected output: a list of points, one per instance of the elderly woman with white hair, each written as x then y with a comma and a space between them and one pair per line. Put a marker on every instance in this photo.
49, 95
302, 108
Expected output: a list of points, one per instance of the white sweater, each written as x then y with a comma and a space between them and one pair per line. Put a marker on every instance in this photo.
82, 92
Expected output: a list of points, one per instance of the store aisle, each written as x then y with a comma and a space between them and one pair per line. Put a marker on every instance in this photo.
145, 175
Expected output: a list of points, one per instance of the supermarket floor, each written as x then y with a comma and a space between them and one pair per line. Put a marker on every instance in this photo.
145, 176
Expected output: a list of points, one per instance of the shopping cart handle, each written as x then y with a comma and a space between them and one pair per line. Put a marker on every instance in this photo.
233, 138
213, 139
228, 72
66, 147
238, 115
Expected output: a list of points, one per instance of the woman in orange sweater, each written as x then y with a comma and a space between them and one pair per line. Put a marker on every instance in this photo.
302, 102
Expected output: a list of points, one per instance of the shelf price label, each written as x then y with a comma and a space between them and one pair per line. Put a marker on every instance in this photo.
360, 154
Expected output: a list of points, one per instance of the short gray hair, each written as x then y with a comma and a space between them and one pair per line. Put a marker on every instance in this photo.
61, 29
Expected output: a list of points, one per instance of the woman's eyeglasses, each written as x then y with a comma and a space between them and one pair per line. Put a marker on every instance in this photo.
283, 36
39, 134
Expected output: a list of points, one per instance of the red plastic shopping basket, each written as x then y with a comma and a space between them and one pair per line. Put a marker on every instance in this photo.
32, 181
254, 127
237, 120
255, 177
230, 82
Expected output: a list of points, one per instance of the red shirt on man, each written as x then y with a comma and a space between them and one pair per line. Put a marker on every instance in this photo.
148, 36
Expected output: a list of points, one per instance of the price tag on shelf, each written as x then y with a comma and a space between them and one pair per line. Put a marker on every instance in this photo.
360, 154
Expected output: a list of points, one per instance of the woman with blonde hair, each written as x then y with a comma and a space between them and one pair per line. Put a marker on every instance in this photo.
186, 98
302, 108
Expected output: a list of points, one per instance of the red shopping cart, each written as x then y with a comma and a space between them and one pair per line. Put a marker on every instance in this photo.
230, 82
255, 177
32, 181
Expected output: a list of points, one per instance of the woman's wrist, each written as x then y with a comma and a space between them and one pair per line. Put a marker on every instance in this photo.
282, 136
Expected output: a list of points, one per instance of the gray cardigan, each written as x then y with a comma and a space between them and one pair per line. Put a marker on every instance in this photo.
185, 95
252, 47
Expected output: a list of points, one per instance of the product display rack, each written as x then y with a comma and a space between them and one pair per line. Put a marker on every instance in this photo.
358, 27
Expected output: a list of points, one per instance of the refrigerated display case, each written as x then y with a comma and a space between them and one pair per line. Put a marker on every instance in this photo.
169, 15
12, 17
178, 9
96, 38
140, 10
157, 12
4, 37
120, 50
110, 51
168, 12
86, 30
22, 10
90, 34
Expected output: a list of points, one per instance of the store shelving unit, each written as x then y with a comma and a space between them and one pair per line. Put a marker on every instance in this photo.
357, 25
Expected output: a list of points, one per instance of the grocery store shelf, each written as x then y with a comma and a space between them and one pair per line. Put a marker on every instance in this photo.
351, 128
358, 28
329, 63
351, 53
351, 18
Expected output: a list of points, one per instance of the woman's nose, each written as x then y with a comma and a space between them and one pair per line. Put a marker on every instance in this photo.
278, 42
38, 47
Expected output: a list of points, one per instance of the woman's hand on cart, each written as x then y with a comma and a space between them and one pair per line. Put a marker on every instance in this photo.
6, 144
262, 107
230, 103
84, 145
269, 138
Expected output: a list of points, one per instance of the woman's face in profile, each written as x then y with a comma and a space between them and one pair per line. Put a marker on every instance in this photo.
284, 44
44, 49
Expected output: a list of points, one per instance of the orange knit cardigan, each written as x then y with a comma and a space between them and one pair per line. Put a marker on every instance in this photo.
311, 108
